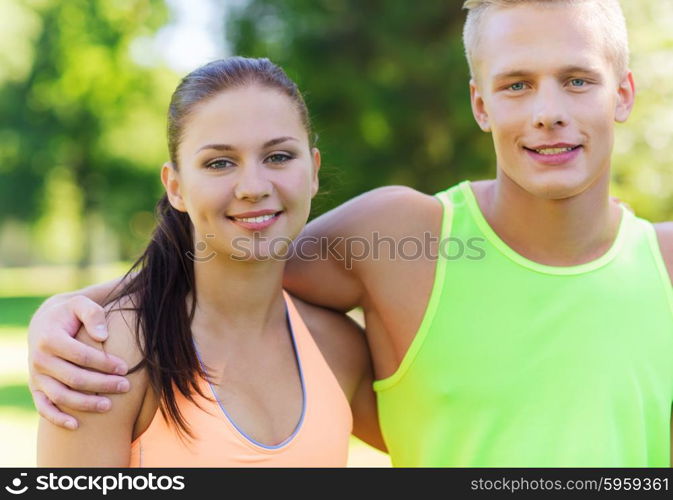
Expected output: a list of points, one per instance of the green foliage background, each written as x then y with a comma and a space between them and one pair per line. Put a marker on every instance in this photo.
82, 130
82, 136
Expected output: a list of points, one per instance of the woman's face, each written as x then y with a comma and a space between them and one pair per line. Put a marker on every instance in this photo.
246, 174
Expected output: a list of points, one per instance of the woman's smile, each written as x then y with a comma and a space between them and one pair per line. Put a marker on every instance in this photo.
257, 220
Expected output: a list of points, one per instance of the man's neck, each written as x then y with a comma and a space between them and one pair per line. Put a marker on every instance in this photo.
565, 232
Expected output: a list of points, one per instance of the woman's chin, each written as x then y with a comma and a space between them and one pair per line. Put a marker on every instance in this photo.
261, 252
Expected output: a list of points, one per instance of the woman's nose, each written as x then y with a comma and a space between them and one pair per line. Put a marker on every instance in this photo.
252, 185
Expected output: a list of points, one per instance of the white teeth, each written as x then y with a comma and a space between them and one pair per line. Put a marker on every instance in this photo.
261, 218
553, 151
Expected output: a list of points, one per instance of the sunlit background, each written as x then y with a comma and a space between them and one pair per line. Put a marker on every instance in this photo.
84, 86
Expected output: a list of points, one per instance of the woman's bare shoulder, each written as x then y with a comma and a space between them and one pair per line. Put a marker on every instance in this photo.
341, 341
123, 340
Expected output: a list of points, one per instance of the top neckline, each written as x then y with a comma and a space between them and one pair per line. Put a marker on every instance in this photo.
238, 431
505, 249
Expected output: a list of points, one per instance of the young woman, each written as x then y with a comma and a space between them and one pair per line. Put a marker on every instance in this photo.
230, 370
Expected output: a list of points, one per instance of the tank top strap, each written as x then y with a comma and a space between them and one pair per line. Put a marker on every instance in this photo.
510, 348
322, 379
320, 438
446, 199
298, 325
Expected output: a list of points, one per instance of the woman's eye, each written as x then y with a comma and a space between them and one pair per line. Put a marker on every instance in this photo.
279, 158
219, 164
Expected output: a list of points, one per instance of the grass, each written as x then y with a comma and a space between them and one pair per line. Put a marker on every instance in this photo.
18, 418
17, 311
48, 280
15, 397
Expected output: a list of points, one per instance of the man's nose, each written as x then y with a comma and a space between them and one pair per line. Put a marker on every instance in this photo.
549, 108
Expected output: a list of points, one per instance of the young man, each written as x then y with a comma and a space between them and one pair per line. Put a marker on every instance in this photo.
551, 345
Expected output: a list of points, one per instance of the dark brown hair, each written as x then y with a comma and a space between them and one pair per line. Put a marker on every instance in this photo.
160, 282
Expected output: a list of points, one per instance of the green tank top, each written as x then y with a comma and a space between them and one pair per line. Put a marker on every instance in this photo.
519, 364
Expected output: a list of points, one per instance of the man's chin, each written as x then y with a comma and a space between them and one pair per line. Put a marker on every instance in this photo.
555, 187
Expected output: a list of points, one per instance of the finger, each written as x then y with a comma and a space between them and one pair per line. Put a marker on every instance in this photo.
63, 397
87, 356
50, 412
91, 315
80, 379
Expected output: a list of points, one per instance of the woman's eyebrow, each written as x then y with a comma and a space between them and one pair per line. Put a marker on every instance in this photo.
229, 147
278, 140
218, 147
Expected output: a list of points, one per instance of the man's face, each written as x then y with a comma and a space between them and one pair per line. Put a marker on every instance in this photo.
549, 95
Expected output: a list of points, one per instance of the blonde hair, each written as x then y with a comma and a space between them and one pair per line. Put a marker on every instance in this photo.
607, 12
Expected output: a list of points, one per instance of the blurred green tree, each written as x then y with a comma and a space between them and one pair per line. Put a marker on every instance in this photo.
386, 83
643, 159
78, 117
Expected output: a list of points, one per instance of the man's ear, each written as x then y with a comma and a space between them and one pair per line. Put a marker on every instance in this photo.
626, 96
315, 183
171, 181
478, 107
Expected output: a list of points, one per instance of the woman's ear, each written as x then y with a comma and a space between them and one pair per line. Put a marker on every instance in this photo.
315, 183
171, 181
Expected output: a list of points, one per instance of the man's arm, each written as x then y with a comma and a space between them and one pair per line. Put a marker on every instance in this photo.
337, 252
57, 362
374, 251
103, 440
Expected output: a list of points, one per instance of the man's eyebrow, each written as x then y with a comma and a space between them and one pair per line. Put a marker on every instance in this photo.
229, 147
587, 70
512, 74
566, 70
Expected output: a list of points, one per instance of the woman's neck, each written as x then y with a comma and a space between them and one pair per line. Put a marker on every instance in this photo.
238, 297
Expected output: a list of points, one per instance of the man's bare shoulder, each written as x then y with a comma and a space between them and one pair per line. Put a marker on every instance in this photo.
397, 204
394, 197
665, 237
388, 210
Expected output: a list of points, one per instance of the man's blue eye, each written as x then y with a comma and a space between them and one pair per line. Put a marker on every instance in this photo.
577, 82
517, 86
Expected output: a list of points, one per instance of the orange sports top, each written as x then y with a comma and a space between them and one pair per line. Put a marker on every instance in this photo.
320, 439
